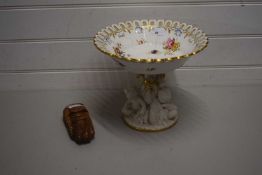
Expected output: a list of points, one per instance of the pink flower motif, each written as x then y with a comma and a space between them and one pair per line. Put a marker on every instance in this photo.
170, 43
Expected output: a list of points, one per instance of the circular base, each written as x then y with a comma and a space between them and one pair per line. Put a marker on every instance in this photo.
148, 127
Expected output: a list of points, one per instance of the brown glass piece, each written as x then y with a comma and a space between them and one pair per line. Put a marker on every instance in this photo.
78, 123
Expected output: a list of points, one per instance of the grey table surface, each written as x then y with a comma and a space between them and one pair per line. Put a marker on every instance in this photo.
219, 132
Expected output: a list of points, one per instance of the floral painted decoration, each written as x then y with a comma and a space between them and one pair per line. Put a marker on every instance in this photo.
141, 41
159, 31
118, 50
178, 32
139, 30
170, 46
154, 51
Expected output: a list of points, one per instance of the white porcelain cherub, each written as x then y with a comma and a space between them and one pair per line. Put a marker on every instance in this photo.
135, 107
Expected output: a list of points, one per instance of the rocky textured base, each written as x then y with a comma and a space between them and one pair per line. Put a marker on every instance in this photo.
149, 106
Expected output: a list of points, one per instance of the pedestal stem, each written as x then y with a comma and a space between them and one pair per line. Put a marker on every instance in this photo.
149, 105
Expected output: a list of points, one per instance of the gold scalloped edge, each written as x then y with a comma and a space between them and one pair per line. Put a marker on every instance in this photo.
149, 24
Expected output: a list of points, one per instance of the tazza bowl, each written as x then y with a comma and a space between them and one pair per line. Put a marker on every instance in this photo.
150, 46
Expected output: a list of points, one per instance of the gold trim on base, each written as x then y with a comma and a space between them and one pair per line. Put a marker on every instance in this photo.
146, 129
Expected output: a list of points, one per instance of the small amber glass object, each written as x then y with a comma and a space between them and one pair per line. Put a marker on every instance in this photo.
78, 123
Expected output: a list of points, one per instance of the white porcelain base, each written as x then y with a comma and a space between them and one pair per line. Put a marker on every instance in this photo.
149, 105
148, 127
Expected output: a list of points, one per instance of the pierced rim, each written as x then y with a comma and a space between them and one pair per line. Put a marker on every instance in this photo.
148, 24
